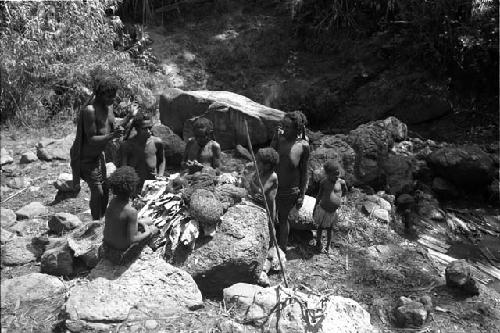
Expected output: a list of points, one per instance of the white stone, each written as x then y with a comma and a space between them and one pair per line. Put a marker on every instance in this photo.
5, 157
32, 210
28, 157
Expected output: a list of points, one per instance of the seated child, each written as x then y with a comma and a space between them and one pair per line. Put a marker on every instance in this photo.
327, 203
122, 231
267, 160
144, 152
202, 150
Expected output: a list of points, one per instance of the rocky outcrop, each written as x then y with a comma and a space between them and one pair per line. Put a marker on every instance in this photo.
234, 254
372, 142
32, 302
28, 157
256, 307
466, 166
114, 297
228, 111
398, 171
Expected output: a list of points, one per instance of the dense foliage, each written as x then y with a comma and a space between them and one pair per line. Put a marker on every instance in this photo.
52, 50
454, 38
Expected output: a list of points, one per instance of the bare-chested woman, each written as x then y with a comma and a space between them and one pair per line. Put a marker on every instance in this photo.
292, 170
202, 150
95, 128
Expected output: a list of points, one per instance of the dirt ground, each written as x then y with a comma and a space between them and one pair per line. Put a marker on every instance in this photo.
374, 277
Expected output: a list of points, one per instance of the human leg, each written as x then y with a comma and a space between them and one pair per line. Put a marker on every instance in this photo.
285, 202
92, 174
319, 234
329, 233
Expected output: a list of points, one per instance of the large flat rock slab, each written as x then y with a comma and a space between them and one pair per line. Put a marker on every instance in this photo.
228, 111
31, 303
117, 298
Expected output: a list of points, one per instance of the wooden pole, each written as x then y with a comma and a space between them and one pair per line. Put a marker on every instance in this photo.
269, 218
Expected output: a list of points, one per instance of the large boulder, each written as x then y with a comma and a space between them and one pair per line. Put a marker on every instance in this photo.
227, 110
174, 145
141, 292
257, 307
466, 166
55, 149
32, 303
331, 148
372, 142
236, 253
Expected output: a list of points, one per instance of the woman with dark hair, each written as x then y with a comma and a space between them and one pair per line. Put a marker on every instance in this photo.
293, 150
202, 150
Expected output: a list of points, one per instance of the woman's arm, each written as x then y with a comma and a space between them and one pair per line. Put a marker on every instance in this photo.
160, 157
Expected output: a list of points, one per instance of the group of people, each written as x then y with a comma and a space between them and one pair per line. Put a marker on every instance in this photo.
282, 170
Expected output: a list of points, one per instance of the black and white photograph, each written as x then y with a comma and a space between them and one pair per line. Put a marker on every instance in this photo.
249, 166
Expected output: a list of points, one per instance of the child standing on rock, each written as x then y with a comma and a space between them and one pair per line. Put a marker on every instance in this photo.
327, 202
124, 236
267, 160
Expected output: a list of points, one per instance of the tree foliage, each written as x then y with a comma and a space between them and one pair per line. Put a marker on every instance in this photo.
51, 51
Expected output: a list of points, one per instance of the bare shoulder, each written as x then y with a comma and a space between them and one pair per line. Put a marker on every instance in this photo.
215, 145
89, 111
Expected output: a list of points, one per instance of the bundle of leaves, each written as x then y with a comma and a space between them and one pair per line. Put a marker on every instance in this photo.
205, 208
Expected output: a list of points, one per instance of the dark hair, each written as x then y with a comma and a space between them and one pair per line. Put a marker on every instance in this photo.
203, 123
268, 156
299, 120
105, 85
124, 181
332, 166
140, 119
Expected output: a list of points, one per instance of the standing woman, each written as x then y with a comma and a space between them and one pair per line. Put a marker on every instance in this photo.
293, 149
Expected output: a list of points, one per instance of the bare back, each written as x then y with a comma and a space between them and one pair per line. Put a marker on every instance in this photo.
118, 217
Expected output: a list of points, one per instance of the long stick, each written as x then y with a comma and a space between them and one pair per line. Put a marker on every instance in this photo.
270, 221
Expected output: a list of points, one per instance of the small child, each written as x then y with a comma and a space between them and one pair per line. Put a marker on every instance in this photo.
122, 231
327, 203
267, 160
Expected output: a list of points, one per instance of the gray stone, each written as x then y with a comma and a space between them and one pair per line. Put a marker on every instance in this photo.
85, 242
382, 215
229, 194
64, 182
19, 182
19, 251
410, 313
254, 305
32, 210
236, 253
6, 235
28, 157
228, 111
398, 172
57, 261
369, 207
459, 276
7, 218
205, 208
466, 166
61, 222
55, 149
148, 288
174, 145
29, 227
39, 295
302, 219
372, 142
5, 157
